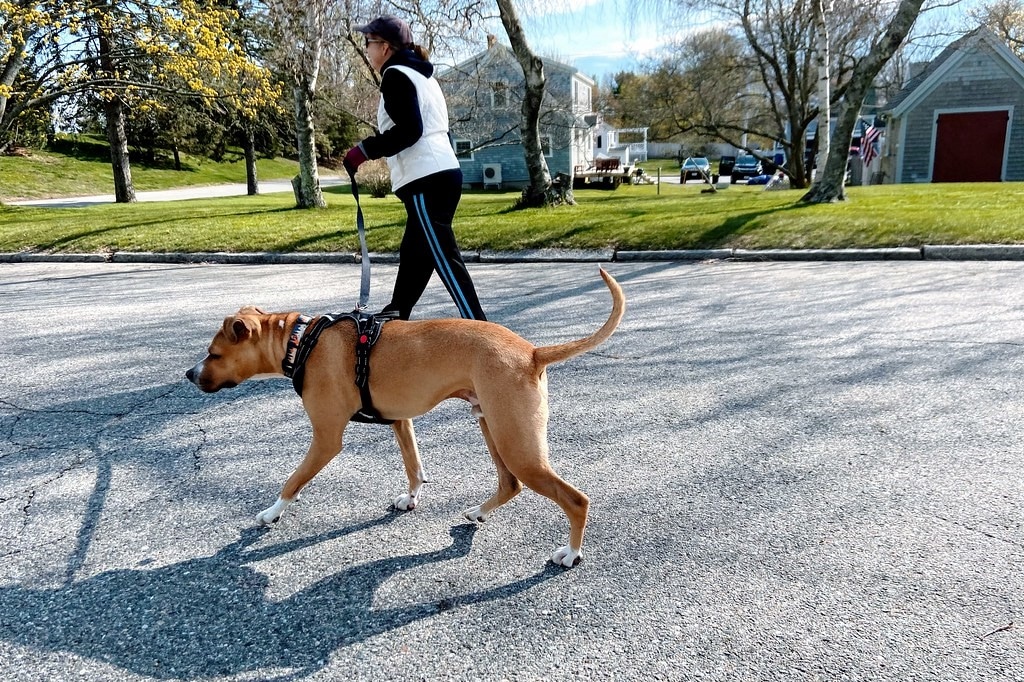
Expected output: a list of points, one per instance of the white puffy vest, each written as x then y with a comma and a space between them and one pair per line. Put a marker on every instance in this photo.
433, 151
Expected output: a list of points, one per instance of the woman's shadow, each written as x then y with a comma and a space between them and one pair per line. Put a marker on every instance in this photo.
210, 616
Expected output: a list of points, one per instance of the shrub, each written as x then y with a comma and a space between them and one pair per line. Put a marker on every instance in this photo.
375, 178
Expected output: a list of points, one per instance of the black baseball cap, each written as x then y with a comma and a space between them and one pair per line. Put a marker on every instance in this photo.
391, 29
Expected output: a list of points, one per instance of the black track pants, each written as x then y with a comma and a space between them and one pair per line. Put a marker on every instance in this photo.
429, 245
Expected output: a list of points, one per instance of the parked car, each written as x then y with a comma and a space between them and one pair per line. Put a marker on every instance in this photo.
725, 165
777, 159
695, 168
747, 166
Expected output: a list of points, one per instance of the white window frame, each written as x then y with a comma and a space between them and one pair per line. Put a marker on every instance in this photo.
466, 155
581, 94
551, 145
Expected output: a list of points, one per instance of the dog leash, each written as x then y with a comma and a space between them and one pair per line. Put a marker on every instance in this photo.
364, 283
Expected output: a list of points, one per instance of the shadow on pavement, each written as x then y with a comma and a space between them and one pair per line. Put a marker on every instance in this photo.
210, 616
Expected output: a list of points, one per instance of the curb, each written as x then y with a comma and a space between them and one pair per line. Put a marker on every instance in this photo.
960, 252
827, 254
688, 255
227, 258
548, 256
974, 252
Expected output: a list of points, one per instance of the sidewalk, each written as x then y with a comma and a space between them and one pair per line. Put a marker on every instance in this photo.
981, 252
180, 194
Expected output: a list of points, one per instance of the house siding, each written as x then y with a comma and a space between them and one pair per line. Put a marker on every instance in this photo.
981, 81
473, 116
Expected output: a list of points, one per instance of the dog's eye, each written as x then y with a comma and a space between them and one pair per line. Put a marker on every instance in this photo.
214, 356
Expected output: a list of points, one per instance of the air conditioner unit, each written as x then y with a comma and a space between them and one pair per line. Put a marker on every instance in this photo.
492, 175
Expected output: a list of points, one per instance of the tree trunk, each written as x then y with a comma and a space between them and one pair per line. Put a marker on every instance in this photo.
307, 182
8, 74
252, 185
823, 60
832, 184
124, 190
540, 191
113, 111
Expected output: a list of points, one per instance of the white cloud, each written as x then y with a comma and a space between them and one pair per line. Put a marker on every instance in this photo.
542, 8
598, 36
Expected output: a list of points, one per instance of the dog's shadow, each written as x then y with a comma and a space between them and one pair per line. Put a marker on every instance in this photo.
210, 616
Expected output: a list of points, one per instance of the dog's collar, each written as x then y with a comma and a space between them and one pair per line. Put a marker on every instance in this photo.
294, 339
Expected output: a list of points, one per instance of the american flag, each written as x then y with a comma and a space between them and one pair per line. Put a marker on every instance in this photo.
869, 144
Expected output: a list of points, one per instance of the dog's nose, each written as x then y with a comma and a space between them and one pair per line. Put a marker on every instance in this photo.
191, 374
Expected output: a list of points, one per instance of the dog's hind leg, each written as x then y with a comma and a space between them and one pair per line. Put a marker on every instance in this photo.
522, 447
406, 437
325, 445
541, 478
508, 485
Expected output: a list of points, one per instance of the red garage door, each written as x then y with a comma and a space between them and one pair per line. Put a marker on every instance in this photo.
969, 146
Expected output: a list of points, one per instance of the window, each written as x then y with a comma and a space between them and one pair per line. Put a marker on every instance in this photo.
580, 95
499, 95
632, 137
545, 145
464, 150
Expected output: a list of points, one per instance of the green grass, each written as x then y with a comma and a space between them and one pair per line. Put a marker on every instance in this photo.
632, 217
83, 168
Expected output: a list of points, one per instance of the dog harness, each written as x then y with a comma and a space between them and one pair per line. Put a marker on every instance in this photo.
302, 341
306, 332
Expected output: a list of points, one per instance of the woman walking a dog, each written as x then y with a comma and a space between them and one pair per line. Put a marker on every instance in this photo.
425, 173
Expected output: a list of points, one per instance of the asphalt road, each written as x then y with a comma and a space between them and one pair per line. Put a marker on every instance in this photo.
797, 471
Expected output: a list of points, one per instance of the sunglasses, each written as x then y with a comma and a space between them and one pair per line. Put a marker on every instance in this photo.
369, 42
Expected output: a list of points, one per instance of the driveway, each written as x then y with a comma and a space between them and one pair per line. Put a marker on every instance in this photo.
797, 471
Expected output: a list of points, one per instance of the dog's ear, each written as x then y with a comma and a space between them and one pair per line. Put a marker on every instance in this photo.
250, 310
238, 328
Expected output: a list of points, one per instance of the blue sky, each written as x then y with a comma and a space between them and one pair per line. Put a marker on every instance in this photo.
602, 37
596, 36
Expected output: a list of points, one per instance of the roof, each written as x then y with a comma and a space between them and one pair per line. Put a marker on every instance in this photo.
925, 82
498, 51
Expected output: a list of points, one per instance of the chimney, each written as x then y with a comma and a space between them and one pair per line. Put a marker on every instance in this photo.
492, 40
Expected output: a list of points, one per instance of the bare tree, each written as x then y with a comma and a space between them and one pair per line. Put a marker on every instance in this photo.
539, 191
778, 74
302, 30
831, 186
704, 88
822, 58
1006, 19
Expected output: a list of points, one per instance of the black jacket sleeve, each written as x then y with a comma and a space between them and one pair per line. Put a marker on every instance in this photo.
403, 106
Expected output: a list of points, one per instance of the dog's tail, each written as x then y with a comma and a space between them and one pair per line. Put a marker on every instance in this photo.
548, 355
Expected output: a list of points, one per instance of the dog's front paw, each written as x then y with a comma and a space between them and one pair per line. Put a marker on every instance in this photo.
406, 502
266, 517
273, 513
475, 514
567, 556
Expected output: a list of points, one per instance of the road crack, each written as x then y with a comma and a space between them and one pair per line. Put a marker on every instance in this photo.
985, 533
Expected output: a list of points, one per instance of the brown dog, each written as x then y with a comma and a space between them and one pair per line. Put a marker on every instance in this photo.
413, 367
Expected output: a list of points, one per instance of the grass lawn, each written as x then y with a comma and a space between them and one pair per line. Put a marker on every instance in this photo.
83, 168
632, 217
